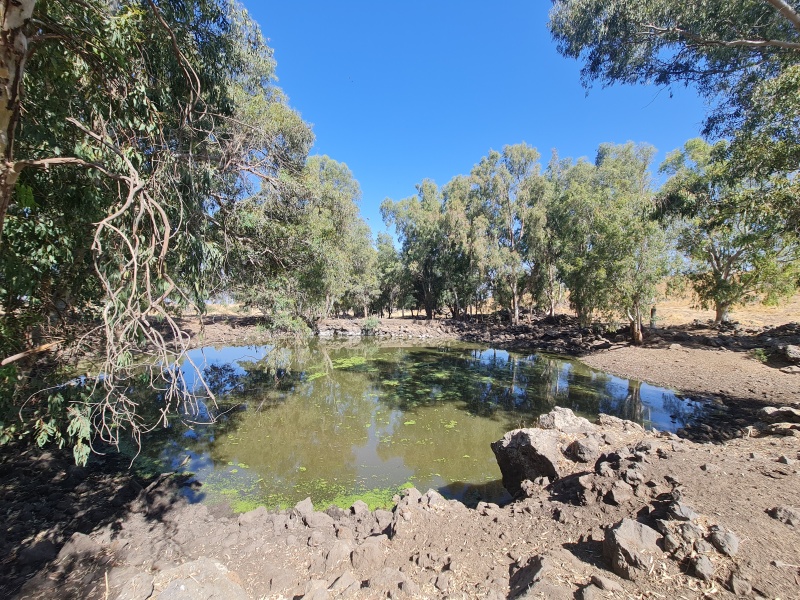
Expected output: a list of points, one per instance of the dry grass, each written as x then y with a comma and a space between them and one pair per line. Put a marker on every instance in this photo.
677, 311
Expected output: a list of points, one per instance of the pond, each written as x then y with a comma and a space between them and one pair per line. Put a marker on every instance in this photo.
338, 422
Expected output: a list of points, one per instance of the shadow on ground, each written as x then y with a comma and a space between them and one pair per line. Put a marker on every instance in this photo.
49, 505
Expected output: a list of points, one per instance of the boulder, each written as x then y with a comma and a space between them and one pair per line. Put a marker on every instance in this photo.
724, 541
681, 511
630, 547
610, 422
703, 567
606, 584
79, 546
792, 353
388, 581
338, 553
584, 450
563, 419
786, 514
368, 557
203, 578
528, 454
739, 584
345, 585
304, 507
255, 518
785, 414
529, 573
319, 520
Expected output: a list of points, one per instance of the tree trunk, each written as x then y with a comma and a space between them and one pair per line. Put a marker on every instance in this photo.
514, 304
636, 332
14, 14
635, 316
722, 315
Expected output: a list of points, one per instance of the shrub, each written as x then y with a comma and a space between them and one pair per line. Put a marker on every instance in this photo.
759, 354
370, 326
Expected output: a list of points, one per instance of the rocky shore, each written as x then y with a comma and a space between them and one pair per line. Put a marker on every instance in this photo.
561, 334
603, 510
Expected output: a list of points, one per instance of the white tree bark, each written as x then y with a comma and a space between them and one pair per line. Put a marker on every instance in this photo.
14, 16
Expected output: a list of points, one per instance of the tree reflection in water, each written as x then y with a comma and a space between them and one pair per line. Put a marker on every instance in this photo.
330, 420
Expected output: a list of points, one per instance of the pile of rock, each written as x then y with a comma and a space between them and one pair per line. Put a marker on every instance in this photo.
555, 456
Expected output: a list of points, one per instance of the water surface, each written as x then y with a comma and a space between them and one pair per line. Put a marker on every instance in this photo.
335, 421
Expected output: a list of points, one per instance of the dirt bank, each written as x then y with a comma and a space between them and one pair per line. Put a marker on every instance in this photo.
69, 534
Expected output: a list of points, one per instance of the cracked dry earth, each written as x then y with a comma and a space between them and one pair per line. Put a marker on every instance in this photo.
650, 516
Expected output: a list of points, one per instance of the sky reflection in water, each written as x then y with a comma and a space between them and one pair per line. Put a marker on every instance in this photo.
330, 421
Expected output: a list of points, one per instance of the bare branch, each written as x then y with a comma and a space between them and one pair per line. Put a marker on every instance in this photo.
37, 350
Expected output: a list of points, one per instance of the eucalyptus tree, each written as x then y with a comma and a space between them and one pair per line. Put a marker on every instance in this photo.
140, 122
744, 57
614, 252
419, 222
735, 256
390, 274
576, 213
507, 185
546, 240
363, 283
637, 246
304, 252
336, 239
466, 226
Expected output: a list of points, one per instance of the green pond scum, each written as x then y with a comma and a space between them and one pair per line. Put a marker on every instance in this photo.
342, 422
243, 499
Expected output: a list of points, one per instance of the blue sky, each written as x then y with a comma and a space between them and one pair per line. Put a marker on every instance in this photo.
402, 91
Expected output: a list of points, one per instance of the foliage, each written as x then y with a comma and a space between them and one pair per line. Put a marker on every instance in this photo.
306, 257
743, 56
419, 222
141, 122
511, 231
465, 226
370, 325
391, 280
735, 255
760, 355
613, 253
509, 187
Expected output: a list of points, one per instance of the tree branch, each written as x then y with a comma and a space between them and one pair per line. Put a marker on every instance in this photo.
786, 11
741, 43
46, 163
37, 350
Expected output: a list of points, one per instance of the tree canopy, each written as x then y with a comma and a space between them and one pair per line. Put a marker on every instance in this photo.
744, 57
